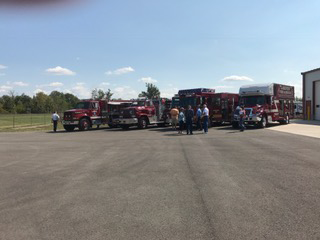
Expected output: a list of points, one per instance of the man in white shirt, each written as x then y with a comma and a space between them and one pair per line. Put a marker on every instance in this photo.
205, 116
55, 118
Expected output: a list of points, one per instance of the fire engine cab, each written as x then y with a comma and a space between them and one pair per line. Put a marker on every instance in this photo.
266, 103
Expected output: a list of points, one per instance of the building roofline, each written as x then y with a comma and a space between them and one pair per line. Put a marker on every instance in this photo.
310, 71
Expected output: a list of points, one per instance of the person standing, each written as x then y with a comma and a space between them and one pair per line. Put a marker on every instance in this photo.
205, 116
242, 115
199, 113
55, 118
174, 112
181, 119
189, 120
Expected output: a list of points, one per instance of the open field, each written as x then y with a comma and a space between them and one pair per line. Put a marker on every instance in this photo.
23, 120
156, 184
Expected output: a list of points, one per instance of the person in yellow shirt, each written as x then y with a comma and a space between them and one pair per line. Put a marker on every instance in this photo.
174, 112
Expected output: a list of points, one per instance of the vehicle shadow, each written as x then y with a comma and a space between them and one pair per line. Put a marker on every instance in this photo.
248, 128
78, 131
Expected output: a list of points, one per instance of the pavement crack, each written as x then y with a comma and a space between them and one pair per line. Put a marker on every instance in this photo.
198, 189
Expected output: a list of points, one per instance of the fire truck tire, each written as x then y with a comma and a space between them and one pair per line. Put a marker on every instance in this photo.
142, 123
84, 124
69, 128
263, 122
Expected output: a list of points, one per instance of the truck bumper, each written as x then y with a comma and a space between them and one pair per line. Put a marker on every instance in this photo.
128, 121
251, 120
70, 122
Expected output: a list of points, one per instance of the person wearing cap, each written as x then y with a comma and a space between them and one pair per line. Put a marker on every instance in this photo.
181, 119
205, 116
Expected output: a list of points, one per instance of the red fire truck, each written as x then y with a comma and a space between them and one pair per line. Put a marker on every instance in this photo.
221, 107
195, 97
144, 112
88, 113
266, 103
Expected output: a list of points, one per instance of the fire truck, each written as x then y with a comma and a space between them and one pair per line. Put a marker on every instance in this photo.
144, 112
266, 103
88, 113
221, 107
195, 97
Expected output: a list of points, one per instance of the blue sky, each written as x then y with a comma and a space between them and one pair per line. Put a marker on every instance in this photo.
175, 44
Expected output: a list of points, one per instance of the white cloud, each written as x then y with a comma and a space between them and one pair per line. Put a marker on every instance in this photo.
81, 91
147, 80
38, 90
55, 84
105, 84
235, 78
60, 71
120, 71
169, 93
124, 92
5, 88
20, 84
3, 66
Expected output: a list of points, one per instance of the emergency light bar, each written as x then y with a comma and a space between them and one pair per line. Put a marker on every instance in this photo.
195, 91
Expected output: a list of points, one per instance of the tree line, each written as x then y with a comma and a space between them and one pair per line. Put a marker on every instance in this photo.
57, 101
40, 103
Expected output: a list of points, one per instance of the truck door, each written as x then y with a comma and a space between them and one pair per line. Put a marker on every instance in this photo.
281, 108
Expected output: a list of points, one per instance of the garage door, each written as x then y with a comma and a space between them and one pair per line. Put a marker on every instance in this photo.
317, 100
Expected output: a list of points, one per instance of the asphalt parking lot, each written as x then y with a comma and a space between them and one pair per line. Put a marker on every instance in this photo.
156, 184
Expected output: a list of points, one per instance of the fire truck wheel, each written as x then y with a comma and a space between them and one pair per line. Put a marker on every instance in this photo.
142, 123
263, 122
69, 128
84, 124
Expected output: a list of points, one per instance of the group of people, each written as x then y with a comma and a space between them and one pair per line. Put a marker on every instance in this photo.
184, 119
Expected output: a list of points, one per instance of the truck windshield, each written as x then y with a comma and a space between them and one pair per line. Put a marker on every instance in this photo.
253, 100
138, 104
184, 102
175, 102
82, 105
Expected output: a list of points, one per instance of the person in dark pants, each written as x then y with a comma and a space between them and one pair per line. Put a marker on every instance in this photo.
189, 120
242, 115
199, 113
55, 119
181, 119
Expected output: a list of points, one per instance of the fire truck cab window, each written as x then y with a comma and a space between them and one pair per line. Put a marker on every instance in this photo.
82, 105
216, 101
94, 105
184, 102
253, 100
138, 104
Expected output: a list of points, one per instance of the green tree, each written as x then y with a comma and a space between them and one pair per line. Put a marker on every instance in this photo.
58, 102
8, 104
39, 103
97, 94
109, 94
71, 100
152, 91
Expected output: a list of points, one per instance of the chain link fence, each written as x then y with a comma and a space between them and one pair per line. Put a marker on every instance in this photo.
25, 120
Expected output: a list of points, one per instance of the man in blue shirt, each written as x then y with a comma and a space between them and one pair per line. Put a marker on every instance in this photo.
189, 119
199, 113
